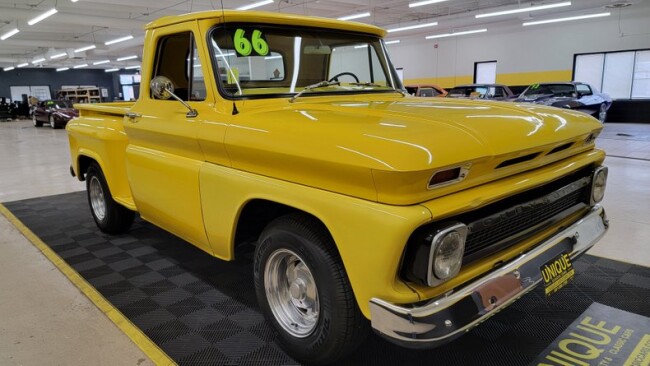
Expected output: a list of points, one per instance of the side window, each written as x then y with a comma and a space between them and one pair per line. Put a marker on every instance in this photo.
177, 59
498, 92
583, 89
427, 92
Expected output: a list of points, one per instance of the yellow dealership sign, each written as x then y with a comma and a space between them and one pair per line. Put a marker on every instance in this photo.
601, 336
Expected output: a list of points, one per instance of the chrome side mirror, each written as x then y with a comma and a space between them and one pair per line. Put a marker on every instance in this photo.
163, 88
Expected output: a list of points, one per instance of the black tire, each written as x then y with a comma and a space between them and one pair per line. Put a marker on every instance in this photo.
340, 327
110, 216
601, 114
36, 123
53, 122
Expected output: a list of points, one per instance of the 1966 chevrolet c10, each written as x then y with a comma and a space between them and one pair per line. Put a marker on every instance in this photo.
416, 217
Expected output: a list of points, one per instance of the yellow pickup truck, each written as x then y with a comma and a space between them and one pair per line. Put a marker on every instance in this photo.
370, 209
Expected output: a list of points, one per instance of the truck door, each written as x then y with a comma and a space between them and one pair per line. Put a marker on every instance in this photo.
163, 155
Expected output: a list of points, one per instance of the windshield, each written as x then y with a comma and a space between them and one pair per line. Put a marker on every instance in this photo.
556, 90
58, 104
477, 91
272, 61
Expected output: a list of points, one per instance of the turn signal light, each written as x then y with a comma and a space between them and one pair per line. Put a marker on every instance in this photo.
448, 176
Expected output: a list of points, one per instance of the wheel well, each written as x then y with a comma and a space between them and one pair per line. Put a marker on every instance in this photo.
84, 163
255, 216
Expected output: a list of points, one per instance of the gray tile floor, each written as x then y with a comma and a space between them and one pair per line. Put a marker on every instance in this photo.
46, 320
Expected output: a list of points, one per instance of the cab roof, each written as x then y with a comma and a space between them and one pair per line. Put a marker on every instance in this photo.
259, 17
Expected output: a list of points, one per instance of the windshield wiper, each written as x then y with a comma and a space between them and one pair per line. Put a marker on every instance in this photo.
314, 86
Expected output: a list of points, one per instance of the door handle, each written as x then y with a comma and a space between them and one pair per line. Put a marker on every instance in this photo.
132, 116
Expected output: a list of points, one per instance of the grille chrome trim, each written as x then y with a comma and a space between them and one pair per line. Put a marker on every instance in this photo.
499, 230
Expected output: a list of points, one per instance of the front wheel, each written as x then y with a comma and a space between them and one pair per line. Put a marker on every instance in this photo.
53, 122
36, 122
304, 292
110, 216
602, 113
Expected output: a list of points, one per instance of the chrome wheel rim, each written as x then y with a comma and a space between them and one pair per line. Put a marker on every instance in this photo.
97, 202
291, 292
602, 115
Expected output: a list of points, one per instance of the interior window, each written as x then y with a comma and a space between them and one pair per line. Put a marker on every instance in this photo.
178, 60
498, 92
428, 92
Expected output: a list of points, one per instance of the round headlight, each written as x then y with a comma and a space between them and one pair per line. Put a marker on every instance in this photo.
448, 255
598, 184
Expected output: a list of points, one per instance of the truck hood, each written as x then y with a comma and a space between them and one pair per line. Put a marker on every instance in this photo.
387, 150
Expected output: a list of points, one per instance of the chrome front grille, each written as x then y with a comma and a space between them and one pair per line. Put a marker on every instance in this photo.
499, 230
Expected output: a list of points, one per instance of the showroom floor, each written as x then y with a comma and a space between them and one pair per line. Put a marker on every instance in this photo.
48, 320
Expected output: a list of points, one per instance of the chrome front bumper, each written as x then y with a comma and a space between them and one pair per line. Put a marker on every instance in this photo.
442, 320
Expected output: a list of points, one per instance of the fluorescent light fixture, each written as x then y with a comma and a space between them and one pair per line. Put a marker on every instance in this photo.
22, 65
111, 70
74, 1
101, 62
8, 68
132, 67
9, 34
524, 10
557, 20
392, 42
118, 40
58, 55
456, 33
255, 5
80, 66
361, 46
47, 14
63, 69
416, 26
91, 47
126, 58
426, 2
355, 16
38, 60
272, 57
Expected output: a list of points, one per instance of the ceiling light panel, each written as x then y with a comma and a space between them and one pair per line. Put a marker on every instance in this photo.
22, 65
80, 66
118, 40
132, 67
392, 42
111, 70
127, 58
426, 2
58, 55
91, 47
38, 61
355, 16
8, 68
63, 69
524, 10
415, 26
255, 5
101, 62
454, 34
47, 14
9, 34
557, 20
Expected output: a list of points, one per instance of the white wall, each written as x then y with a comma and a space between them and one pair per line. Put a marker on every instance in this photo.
519, 49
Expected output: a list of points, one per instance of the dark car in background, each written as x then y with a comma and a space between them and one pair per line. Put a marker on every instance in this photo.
55, 112
425, 90
481, 91
570, 95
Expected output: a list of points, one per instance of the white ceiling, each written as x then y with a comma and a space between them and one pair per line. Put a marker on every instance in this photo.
93, 22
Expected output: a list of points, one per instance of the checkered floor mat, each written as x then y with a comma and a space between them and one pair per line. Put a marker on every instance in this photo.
203, 311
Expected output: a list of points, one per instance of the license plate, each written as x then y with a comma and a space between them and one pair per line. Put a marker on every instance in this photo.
556, 273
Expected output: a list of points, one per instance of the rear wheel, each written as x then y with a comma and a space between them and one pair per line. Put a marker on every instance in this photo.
110, 216
304, 292
36, 122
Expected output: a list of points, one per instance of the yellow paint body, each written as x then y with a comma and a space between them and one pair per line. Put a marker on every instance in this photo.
359, 163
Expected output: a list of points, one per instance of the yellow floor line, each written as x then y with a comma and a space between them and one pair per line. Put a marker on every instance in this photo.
158, 356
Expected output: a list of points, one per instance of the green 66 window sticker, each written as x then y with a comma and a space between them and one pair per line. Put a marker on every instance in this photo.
249, 43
